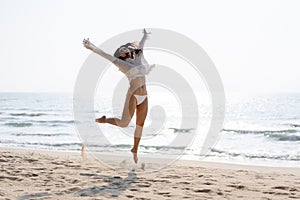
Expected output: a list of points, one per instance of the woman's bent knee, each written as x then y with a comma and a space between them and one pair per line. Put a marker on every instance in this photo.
123, 124
141, 124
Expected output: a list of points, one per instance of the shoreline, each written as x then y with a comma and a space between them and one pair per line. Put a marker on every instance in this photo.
260, 164
31, 174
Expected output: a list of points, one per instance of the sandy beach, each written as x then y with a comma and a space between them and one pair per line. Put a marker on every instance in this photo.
28, 174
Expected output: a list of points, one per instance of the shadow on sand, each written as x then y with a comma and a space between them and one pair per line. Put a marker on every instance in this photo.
116, 185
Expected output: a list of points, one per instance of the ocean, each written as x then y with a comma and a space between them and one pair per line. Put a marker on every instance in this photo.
258, 130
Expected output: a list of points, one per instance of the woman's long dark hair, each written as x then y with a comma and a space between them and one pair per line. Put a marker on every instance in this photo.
132, 48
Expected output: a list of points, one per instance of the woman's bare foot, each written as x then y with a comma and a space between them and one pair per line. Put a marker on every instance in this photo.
134, 153
101, 120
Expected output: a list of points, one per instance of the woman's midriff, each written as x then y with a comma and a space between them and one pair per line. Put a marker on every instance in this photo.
138, 86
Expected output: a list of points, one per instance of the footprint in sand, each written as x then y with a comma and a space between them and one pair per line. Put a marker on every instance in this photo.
202, 190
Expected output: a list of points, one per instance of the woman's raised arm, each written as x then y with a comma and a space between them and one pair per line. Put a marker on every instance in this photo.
121, 64
87, 44
145, 36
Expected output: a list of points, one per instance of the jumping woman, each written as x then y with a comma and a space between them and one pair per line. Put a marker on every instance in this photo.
130, 60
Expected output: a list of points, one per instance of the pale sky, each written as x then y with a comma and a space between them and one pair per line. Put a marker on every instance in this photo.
255, 45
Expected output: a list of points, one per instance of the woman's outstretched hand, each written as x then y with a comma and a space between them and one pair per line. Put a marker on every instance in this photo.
87, 44
146, 33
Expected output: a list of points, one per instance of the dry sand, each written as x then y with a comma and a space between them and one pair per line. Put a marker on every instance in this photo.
52, 175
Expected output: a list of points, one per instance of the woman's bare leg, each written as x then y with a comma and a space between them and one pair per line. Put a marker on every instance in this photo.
128, 111
141, 114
